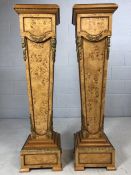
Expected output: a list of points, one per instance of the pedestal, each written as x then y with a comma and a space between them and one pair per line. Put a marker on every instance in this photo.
93, 23
38, 35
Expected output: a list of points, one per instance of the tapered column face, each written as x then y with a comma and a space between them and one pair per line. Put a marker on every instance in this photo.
38, 41
93, 25
38, 36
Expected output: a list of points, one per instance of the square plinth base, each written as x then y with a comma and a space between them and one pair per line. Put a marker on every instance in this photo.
40, 155
93, 155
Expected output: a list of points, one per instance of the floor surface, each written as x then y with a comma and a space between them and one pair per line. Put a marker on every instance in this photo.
13, 133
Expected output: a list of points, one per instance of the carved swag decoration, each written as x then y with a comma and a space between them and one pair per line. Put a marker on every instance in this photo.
38, 39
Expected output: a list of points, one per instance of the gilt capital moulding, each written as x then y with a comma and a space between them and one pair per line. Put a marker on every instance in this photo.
93, 24
38, 22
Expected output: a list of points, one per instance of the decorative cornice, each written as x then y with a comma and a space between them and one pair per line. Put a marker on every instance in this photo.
38, 9
92, 8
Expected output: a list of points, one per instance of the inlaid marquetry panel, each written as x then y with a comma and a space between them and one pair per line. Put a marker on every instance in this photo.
93, 51
38, 25
39, 62
94, 62
40, 159
99, 158
94, 25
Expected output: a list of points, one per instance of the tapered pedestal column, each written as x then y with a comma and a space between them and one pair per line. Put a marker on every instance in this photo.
93, 24
38, 35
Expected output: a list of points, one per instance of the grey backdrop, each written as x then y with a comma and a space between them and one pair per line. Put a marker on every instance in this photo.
13, 94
